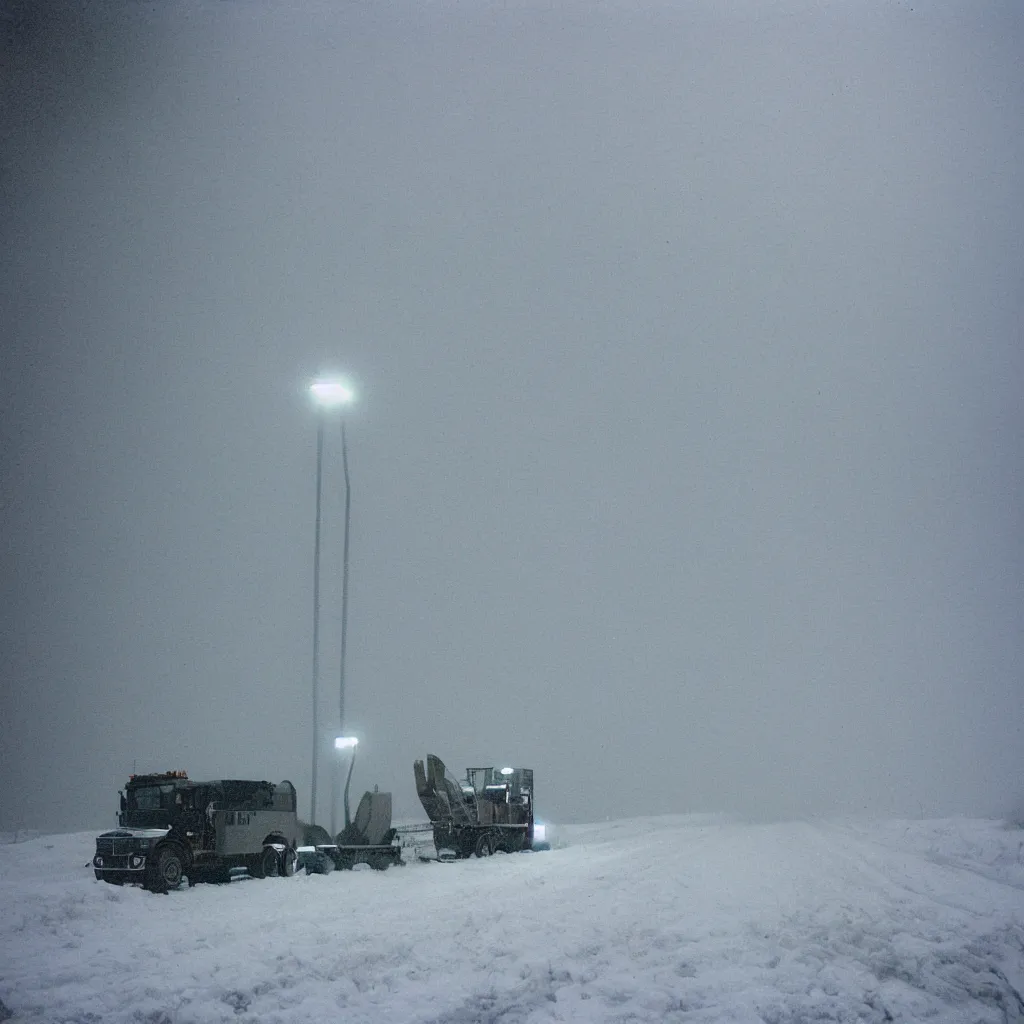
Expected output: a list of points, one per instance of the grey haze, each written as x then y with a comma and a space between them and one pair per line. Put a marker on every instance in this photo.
687, 466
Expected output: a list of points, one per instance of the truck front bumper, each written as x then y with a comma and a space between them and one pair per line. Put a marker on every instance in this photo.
129, 862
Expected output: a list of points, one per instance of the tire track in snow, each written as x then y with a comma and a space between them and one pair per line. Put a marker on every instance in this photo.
944, 948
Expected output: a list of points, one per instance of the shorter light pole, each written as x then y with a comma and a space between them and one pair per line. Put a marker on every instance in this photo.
346, 743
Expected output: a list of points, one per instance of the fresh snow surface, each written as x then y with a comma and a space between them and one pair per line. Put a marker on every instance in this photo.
663, 919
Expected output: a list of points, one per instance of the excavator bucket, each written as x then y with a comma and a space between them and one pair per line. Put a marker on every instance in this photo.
442, 797
436, 772
434, 803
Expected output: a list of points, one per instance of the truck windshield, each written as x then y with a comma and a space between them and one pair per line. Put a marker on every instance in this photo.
149, 798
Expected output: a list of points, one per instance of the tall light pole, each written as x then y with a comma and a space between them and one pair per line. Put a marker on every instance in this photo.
328, 393
344, 629
316, 611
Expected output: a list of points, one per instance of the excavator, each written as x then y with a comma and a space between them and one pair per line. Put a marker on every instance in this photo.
490, 811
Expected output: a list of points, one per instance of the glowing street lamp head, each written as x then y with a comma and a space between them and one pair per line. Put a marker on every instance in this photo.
345, 742
332, 392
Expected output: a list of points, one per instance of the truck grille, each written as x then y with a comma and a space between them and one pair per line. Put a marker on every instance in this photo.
117, 854
116, 864
113, 847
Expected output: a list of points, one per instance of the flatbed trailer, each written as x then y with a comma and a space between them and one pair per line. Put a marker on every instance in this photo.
369, 839
326, 857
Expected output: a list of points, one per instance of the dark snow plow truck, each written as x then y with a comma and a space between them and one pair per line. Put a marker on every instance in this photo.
172, 827
491, 811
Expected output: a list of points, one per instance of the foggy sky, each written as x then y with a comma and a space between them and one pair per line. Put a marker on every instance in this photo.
687, 465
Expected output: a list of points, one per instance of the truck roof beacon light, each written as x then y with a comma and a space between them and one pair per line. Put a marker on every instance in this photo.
507, 771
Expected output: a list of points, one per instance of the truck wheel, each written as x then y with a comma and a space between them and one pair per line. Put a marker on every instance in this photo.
271, 866
264, 864
165, 870
484, 846
287, 861
513, 844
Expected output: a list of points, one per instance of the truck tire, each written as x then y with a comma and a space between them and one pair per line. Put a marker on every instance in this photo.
264, 864
165, 869
286, 862
381, 861
322, 864
271, 865
513, 843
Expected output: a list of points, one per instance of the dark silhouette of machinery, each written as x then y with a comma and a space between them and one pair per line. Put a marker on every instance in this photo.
172, 828
491, 811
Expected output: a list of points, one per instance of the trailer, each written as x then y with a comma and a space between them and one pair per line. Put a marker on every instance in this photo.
491, 811
368, 839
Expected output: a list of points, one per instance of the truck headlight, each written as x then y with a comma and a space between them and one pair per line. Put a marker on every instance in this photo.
539, 832
97, 861
136, 860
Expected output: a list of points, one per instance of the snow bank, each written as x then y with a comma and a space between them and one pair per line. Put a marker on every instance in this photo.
670, 919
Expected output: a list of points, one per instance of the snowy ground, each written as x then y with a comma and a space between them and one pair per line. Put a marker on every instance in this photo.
667, 919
